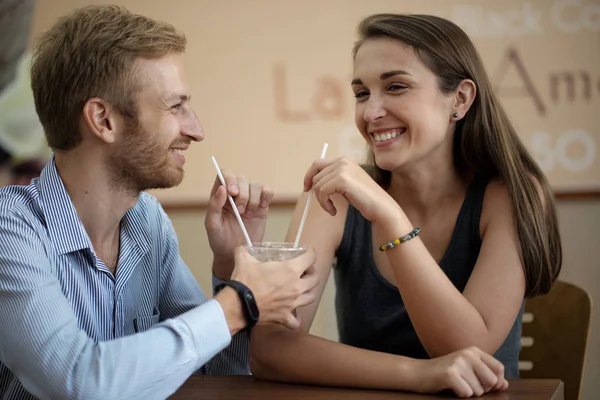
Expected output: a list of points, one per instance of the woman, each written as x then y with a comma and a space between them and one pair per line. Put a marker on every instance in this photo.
473, 213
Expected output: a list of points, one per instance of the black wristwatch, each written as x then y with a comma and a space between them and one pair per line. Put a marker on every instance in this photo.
248, 301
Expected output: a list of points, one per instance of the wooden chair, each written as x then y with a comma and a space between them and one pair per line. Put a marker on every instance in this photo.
555, 335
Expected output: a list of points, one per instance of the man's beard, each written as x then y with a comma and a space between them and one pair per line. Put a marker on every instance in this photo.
141, 163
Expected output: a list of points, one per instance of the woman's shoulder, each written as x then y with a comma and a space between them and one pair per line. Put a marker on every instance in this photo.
498, 202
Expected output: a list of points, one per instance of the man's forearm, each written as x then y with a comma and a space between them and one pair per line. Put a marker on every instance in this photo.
167, 353
234, 359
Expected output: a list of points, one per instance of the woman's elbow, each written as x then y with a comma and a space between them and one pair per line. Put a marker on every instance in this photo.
256, 361
257, 367
267, 345
259, 353
445, 347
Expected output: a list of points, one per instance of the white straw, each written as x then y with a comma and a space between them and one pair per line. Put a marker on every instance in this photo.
235, 210
303, 220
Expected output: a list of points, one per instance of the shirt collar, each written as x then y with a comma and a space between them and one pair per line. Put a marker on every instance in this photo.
64, 226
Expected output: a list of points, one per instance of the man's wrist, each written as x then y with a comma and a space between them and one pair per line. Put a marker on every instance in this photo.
232, 307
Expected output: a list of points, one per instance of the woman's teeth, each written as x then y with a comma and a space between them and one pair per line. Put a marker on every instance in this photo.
382, 137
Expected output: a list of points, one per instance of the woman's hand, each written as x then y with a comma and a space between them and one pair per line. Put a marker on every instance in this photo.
467, 372
346, 177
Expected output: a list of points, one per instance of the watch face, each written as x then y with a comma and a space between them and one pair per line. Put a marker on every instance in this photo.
252, 307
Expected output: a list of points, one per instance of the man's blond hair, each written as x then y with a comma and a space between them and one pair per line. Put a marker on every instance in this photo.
91, 53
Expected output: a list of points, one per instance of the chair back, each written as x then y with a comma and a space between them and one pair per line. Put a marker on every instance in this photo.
555, 336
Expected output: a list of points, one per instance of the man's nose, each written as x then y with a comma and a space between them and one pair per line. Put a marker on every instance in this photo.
191, 127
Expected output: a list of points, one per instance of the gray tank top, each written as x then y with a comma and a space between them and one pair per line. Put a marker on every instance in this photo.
370, 311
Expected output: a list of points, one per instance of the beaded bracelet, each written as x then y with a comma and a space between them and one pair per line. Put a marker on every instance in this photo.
396, 242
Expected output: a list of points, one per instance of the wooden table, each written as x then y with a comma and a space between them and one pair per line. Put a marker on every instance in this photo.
247, 387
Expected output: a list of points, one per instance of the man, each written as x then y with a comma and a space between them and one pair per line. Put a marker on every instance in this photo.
95, 301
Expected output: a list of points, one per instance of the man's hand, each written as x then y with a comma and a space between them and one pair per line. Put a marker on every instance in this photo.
279, 287
224, 233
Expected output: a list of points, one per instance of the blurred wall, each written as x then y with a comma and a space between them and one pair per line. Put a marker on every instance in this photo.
272, 75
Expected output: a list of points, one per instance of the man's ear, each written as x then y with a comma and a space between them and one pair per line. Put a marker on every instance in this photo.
463, 98
102, 119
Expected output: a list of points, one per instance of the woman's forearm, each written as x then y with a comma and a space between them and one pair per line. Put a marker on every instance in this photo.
282, 355
444, 319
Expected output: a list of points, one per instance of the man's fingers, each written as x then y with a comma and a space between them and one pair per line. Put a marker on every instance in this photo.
266, 196
253, 199
291, 322
303, 262
215, 208
309, 282
305, 299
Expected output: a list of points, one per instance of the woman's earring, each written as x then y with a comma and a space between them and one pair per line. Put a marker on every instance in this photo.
455, 115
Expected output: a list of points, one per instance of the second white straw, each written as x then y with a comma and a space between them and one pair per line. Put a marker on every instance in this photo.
233, 206
303, 220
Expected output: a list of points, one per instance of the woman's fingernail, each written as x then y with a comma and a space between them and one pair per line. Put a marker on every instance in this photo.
241, 209
263, 204
248, 214
233, 188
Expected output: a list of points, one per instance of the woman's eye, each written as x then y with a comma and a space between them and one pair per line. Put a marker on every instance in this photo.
396, 87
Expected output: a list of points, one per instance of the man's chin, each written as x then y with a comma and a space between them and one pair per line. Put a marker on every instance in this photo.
166, 183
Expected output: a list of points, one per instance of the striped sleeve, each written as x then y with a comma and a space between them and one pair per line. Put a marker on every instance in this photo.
181, 292
42, 344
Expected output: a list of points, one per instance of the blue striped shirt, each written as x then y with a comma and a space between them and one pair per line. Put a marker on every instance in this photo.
70, 329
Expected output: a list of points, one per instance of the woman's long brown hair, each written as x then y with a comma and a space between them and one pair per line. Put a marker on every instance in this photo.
485, 141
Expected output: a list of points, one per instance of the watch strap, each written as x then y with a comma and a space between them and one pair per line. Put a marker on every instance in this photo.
249, 305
